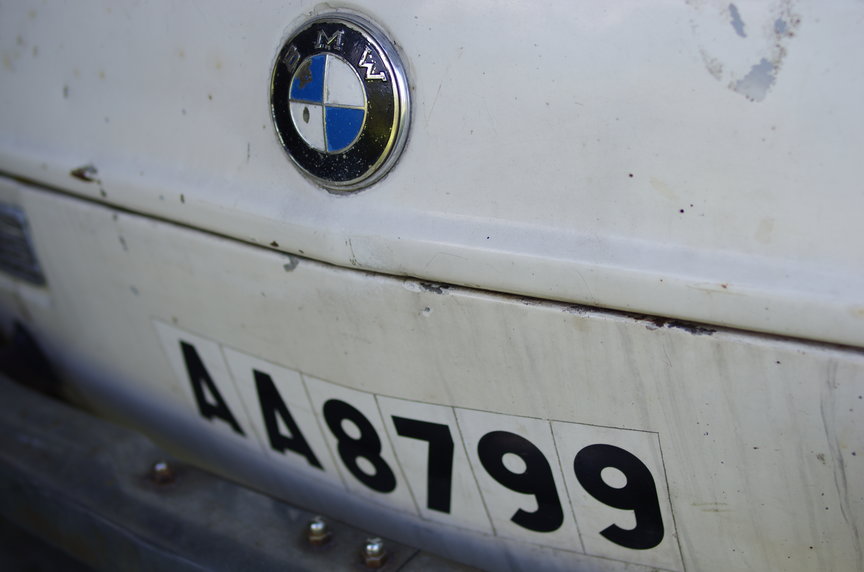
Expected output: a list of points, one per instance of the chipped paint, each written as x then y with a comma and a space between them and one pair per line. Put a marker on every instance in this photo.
292, 263
656, 322
744, 48
86, 173
737, 23
755, 85
433, 287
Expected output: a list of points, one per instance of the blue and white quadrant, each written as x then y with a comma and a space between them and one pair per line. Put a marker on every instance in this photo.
327, 102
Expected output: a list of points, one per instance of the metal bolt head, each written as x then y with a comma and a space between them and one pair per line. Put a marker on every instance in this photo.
162, 473
374, 553
317, 531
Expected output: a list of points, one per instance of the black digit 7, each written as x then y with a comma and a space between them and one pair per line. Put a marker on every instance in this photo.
536, 480
439, 460
367, 446
638, 495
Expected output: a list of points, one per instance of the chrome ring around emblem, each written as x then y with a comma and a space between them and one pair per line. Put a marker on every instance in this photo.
340, 101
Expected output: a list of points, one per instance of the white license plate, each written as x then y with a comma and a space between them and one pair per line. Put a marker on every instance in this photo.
583, 488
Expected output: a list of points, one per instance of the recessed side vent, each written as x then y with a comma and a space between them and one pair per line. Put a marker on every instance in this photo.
17, 256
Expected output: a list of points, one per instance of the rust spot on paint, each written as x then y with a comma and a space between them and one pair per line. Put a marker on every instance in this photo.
434, 287
86, 173
691, 328
578, 309
656, 323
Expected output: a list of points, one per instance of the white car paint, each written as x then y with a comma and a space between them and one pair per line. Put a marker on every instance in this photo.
692, 160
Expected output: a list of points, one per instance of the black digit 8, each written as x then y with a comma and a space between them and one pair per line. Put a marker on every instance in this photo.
367, 446
536, 479
639, 494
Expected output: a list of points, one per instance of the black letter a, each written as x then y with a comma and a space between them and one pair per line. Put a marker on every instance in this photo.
199, 377
271, 404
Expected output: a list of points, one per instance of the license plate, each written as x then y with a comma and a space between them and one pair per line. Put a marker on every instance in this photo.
589, 489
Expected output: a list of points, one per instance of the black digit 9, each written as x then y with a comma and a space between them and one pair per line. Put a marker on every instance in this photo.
536, 479
639, 494
366, 446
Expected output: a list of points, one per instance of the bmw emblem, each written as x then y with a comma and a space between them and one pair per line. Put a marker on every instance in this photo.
340, 103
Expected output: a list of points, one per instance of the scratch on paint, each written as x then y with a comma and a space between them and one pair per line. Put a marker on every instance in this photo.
434, 101
826, 409
587, 286
441, 83
353, 258
712, 507
438, 255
